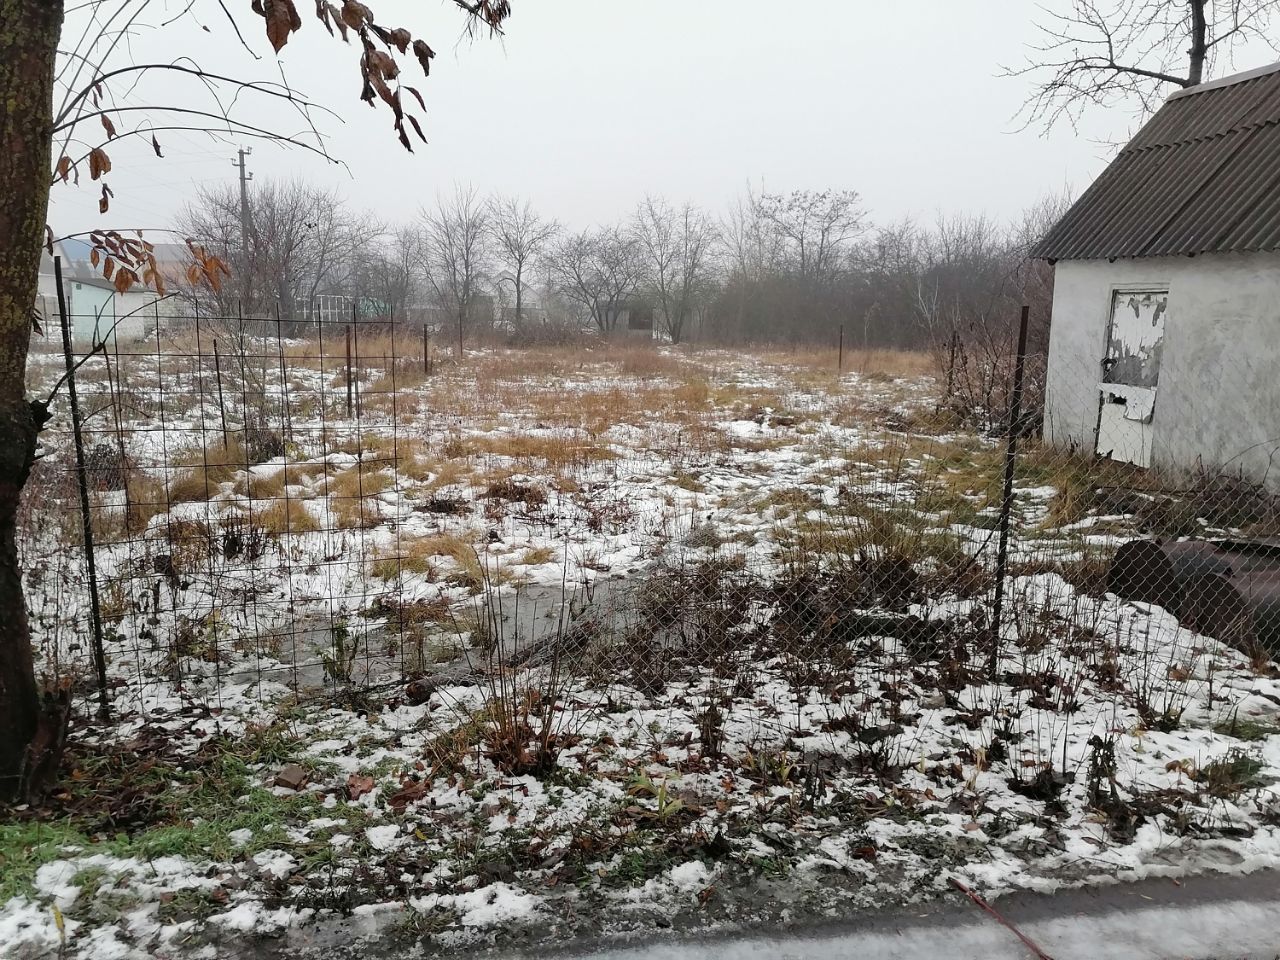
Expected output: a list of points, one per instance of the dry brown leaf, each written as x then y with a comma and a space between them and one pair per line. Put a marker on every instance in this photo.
99, 163
358, 786
424, 55
355, 14
282, 19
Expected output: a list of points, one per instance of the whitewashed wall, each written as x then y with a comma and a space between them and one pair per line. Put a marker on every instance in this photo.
1218, 400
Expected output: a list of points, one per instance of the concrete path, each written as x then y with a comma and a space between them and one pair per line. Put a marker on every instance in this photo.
1205, 918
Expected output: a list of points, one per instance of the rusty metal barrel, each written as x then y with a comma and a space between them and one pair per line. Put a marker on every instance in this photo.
1227, 589
1242, 610
1152, 571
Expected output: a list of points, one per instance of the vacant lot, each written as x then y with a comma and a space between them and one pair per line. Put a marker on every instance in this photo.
565, 641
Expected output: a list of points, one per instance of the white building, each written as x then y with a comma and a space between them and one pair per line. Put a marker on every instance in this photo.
1165, 340
94, 306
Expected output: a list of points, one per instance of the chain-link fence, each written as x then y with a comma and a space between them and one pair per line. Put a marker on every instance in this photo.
324, 506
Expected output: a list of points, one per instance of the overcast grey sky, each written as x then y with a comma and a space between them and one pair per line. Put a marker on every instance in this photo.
587, 105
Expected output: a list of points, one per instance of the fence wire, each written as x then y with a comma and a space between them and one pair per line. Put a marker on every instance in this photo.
287, 509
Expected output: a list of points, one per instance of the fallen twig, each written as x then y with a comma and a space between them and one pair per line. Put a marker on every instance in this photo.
1030, 944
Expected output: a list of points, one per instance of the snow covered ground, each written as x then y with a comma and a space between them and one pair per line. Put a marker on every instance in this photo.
696, 640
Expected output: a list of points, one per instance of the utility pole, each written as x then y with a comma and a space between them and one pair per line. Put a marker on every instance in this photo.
244, 224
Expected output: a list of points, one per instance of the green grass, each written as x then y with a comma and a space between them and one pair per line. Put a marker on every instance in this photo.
26, 847
1245, 729
190, 810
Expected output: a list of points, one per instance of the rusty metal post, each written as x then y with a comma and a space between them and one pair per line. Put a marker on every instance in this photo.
840, 357
426, 351
355, 349
82, 480
217, 374
350, 396
1006, 500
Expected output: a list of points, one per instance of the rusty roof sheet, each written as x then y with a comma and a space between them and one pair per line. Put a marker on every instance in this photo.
1202, 176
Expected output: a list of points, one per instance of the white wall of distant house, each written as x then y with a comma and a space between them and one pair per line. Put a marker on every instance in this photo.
95, 309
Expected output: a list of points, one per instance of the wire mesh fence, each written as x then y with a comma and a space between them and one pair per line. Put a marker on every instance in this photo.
323, 509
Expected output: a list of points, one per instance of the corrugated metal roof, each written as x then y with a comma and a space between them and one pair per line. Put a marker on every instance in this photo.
1202, 176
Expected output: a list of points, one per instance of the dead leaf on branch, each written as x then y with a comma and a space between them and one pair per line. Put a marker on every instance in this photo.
424, 54
99, 163
205, 267
355, 14
282, 19
384, 64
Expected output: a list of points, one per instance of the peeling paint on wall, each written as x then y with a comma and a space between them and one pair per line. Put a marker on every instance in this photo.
1135, 339
1130, 373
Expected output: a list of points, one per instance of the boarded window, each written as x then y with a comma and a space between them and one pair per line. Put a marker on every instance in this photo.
1135, 337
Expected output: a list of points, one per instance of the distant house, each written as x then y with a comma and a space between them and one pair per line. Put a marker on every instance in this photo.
1165, 339
634, 317
96, 309
533, 305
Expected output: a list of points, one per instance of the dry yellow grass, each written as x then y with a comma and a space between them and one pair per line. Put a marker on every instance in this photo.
553, 451
535, 556
261, 486
205, 469
362, 480
423, 556
286, 517
874, 362
351, 493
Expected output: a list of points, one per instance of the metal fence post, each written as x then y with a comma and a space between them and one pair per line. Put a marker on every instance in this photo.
1006, 500
840, 357
350, 397
82, 479
222, 406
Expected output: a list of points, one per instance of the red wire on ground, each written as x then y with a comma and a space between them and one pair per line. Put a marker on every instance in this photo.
1030, 944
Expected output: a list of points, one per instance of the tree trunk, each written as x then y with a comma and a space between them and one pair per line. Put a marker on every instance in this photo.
520, 296
29, 31
1199, 51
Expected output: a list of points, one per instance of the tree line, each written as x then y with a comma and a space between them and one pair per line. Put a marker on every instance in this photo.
774, 268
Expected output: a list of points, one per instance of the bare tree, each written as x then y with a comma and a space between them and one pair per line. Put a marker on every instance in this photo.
677, 245
456, 254
575, 272
814, 226
387, 271
618, 262
599, 271
520, 236
1133, 52
973, 276
302, 241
